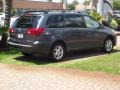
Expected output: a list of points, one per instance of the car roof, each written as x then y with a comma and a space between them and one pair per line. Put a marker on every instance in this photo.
55, 12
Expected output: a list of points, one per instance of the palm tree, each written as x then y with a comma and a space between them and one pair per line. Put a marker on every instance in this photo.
86, 3
75, 3
8, 6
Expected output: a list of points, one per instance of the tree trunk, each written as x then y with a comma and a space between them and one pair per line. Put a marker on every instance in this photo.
8, 5
4, 40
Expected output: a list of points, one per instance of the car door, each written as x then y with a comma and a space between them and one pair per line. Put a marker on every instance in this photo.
74, 31
94, 34
55, 26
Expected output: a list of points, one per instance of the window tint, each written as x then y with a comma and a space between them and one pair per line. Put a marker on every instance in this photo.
55, 21
27, 21
91, 23
74, 21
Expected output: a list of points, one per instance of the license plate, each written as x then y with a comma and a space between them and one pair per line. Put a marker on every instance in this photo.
20, 35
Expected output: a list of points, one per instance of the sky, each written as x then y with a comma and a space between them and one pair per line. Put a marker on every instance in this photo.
69, 1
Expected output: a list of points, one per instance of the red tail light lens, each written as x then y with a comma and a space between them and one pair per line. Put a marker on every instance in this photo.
11, 30
35, 31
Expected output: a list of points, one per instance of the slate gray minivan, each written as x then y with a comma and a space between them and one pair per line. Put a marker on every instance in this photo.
56, 33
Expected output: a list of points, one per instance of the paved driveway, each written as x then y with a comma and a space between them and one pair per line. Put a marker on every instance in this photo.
32, 78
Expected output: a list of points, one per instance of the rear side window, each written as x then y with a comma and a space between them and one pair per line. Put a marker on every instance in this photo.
55, 21
74, 21
27, 21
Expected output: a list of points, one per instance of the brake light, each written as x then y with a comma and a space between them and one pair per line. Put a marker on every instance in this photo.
35, 31
11, 30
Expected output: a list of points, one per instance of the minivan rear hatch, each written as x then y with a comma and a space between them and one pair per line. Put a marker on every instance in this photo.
19, 30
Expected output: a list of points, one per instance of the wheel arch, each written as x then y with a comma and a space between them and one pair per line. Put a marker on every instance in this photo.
61, 42
110, 36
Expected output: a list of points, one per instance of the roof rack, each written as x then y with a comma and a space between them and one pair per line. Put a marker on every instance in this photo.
54, 10
37, 11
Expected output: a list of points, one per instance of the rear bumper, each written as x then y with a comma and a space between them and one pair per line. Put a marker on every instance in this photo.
21, 45
35, 48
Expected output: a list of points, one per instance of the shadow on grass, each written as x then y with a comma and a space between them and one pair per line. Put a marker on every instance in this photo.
87, 54
38, 60
71, 56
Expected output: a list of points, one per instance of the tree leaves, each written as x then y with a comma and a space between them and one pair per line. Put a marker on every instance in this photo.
116, 4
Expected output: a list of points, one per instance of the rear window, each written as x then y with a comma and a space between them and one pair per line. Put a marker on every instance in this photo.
27, 21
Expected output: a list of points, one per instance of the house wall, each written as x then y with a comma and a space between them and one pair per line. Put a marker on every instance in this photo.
24, 4
81, 6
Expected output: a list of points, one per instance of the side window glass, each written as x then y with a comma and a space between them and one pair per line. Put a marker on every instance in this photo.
74, 21
91, 23
55, 21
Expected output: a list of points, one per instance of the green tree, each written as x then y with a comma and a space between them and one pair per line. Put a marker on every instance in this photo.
116, 4
73, 5
86, 3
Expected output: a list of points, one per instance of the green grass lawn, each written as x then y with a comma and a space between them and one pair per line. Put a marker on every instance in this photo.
106, 63
109, 63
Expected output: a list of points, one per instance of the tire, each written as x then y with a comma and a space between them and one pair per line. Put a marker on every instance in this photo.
26, 54
57, 52
108, 45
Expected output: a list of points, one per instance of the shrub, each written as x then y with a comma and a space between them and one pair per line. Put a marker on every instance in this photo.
97, 16
4, 34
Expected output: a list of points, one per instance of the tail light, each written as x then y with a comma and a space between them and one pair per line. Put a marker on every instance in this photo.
35, 31
11, 30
